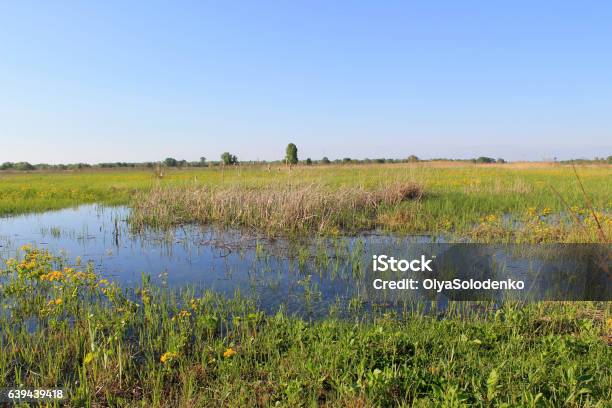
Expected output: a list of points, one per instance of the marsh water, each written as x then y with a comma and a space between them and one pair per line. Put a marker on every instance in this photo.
305, 276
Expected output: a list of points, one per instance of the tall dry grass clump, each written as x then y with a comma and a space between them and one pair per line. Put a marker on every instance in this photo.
271, 209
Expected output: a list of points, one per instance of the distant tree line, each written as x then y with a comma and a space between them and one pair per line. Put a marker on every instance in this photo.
484, 159
291, 158
587, 161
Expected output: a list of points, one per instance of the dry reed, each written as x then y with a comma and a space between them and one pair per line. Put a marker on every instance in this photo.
271, 209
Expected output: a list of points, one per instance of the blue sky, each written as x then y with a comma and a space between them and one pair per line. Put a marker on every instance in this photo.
135, 81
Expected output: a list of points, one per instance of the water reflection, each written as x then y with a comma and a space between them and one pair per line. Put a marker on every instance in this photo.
308, 276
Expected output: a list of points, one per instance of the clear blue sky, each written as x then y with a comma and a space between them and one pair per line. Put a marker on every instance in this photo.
135, 81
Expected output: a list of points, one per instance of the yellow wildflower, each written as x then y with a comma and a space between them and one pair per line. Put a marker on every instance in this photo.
27, 265
182, 314
51, 276
491, 218
55, 302
80, 275
229, 352
576, 210
168, 357
546, 211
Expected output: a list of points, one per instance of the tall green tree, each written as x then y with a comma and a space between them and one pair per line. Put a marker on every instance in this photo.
291, 154
229, 158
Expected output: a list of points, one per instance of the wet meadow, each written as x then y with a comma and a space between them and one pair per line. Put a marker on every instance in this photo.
247, 286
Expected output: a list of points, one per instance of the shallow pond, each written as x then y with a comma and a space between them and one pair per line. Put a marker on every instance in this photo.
312, 276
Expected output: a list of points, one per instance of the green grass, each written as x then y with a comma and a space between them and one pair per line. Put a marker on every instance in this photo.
465, 199
160, 347
60, 325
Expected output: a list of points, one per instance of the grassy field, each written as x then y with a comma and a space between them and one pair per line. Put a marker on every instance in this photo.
520, 202
154, 347
62, 325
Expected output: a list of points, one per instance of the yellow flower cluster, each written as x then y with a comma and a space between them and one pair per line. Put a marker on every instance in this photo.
39, 264
67, 273
183, 314
80, 275
534, 212
27, 265
230, 352
52, 276
168, 357
193, 303
490, 219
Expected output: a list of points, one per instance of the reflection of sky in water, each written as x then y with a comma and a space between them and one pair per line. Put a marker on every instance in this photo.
317, 272
203, 257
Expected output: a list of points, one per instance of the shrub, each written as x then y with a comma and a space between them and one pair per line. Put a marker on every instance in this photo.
171, 162
484, 159
23, 166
